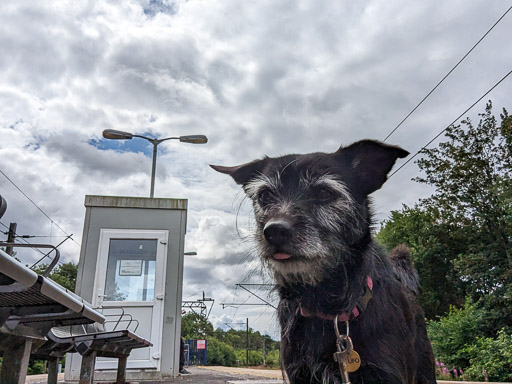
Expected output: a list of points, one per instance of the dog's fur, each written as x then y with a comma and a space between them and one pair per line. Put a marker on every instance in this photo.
313, 231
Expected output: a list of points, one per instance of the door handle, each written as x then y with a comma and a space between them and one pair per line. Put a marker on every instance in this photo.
160, 297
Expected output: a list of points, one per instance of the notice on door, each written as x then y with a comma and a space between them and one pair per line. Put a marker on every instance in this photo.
130, 267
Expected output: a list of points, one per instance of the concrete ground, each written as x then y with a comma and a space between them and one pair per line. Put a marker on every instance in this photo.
222, 375
263, 373
228, 375
41, 379
210, 375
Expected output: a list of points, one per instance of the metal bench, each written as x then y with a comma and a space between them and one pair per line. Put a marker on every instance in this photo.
42, 318
30, 305
93, 341
39, 317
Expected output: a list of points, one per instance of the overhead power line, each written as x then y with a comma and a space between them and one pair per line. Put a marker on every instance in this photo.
265, 302
452, 123
21, 238
252, 293
448, 74
48, 254
35, 205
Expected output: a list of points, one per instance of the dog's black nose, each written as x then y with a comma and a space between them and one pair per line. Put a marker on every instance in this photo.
278, 232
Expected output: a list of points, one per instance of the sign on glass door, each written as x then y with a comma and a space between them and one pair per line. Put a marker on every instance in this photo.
131, 270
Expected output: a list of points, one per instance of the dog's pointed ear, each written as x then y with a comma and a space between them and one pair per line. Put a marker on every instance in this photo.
242, 173
370, 162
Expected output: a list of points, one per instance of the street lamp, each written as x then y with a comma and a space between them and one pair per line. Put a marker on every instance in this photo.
120, 135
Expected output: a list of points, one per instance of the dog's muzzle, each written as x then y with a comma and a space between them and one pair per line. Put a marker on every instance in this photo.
278, 232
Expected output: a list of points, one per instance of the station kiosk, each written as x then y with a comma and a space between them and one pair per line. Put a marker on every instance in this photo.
131, 260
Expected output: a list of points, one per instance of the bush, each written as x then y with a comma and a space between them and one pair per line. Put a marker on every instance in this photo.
36, 367
272, 359
491, 359
457, 343
220, 353
451, 335
255, 357
443, 373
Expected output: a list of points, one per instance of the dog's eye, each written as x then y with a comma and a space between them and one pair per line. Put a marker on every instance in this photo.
266, 197
323, 194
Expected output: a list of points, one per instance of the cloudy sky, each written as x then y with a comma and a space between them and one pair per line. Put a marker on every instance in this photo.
258, 78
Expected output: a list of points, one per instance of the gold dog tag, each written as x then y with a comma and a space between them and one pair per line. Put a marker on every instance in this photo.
353, 362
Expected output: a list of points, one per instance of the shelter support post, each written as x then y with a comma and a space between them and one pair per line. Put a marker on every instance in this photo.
121, 370
15, 363
87, 368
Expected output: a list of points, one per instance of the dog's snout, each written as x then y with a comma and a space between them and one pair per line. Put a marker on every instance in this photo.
278, 232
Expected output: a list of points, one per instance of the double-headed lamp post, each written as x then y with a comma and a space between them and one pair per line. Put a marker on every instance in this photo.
120, 135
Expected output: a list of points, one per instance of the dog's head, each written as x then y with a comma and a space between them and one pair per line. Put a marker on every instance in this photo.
311, 209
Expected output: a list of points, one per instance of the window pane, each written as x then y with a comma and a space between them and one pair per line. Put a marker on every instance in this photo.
131, 270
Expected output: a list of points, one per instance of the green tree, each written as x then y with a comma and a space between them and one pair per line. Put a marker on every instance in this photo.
491, 359
272, 359
195, 326
63, 274
220, 353
460, 239
472, 174
228, 347
452, 334
36, 367
238, 339
434, 247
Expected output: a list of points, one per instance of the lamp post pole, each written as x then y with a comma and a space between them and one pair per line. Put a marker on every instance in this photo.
155, 143
153, 169
121, 135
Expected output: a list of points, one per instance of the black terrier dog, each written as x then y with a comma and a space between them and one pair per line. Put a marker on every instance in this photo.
313, 231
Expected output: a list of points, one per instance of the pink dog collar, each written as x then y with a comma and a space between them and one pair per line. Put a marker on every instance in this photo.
362, 303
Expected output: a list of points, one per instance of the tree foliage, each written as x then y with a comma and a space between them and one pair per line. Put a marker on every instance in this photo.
195, 326
461, 235
491, 358
451, 335
229, 348
460, 239
220, 353
458, 344
472, 174
63, 274
434, 248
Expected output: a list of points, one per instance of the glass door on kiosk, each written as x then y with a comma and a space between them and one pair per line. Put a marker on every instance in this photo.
131, 275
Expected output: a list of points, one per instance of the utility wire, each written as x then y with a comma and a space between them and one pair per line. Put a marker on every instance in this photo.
252, 293
28, 236
22, 239
35, 205
243, 302
47, 254
261, 314
453, 122
448, 74
39, 236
